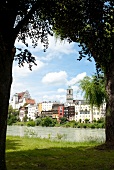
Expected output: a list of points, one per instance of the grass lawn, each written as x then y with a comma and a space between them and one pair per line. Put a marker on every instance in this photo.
23, 153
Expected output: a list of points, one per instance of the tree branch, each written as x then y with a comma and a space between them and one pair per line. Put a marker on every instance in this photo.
25, 20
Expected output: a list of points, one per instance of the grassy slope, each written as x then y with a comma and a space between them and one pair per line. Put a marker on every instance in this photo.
43, 154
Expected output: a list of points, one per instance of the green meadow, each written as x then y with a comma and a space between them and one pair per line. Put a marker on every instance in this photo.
24, 153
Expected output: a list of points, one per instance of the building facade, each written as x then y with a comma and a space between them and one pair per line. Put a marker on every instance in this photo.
19, 99
84, 111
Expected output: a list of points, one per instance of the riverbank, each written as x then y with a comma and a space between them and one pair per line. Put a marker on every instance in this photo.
23, 153
49, 122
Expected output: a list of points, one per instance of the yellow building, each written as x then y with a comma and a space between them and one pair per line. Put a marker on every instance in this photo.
39, 108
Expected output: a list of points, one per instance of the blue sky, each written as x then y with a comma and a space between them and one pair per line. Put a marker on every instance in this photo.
56, 69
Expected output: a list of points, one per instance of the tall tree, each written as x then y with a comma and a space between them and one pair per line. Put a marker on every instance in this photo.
94, 90
91, 24
19, 20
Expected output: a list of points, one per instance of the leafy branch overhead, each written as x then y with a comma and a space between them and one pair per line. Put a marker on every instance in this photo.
25, 56
23, 19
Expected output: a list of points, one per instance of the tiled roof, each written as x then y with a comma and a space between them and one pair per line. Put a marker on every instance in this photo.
30, 101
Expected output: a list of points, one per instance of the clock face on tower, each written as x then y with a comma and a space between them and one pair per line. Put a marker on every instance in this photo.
69, 96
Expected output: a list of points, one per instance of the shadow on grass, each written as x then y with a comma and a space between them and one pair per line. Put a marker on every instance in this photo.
12, 144
65, 158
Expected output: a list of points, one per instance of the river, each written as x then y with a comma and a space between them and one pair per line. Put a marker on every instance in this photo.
68, 134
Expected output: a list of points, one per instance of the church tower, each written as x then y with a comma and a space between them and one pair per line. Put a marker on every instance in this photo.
69, 95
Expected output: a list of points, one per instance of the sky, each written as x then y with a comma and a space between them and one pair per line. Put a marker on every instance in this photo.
56, 69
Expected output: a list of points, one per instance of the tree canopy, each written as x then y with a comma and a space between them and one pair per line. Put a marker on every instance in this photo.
91, 24
22, 19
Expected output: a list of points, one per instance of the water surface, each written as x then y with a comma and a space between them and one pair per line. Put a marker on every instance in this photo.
69, 134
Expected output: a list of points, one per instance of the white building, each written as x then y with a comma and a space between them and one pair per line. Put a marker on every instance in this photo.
19, 99
32, 111
84, 111
47, 106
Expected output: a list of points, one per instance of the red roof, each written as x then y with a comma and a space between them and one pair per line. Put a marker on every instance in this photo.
30, 101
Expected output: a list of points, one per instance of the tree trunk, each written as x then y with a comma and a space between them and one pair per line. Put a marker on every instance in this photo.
109, 73
6, 60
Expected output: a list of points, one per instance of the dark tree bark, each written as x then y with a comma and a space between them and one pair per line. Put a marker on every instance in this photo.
110, 104
6, 60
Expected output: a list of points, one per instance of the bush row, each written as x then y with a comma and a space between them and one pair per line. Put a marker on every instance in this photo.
49, 122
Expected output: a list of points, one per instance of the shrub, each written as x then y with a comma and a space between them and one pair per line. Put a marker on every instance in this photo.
31, 123
38, 121
80, 125
101, 120
67, 124
92, 126
63, 120
84, 126
86, 120
101, 125
47, 121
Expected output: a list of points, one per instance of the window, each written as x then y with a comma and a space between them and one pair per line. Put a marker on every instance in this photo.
69, 92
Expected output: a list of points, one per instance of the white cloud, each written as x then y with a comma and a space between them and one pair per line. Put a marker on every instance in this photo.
76, 89
76, 79
45, 97
25, 71
61, 46
55, 78
50, 56
61, 91
21, 77
58, 48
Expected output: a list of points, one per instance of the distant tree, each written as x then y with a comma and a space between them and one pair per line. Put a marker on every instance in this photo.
94, 90
25, 118
10, 109
13, 115
12, 119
